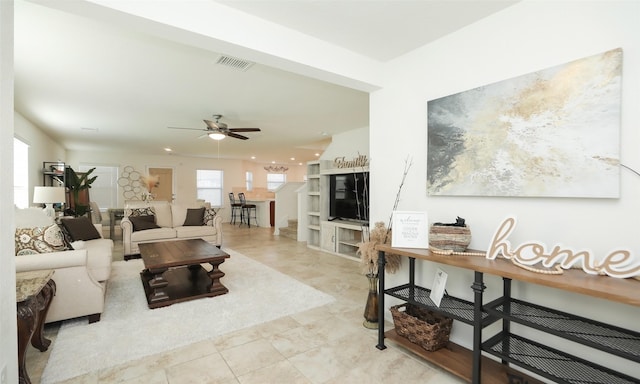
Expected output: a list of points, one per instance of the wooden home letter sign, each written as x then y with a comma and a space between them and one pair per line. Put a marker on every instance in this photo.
618, 263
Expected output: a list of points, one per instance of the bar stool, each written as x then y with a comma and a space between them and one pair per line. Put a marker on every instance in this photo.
236, 207
247, 208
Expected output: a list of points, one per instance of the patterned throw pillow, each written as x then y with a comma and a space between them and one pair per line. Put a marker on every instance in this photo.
144, 211
66, 236
209, 215
39, 240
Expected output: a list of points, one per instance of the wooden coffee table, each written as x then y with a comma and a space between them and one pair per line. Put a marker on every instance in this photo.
173, 272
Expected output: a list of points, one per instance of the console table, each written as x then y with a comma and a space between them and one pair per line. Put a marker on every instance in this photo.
34, 292
509, 347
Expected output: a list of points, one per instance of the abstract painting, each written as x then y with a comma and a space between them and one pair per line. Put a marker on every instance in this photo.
551, 133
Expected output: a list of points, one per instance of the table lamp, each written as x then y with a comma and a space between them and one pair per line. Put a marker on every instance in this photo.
48, 196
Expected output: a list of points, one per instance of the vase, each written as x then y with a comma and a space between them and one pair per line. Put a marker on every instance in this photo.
371, 308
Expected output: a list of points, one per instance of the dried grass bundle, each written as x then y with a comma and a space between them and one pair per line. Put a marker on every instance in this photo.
382, 235
369, 256
151, 181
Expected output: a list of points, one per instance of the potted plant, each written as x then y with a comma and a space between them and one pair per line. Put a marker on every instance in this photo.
78, 185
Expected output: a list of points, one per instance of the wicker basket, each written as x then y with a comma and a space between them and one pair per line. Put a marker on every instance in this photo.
425, 328
450, 237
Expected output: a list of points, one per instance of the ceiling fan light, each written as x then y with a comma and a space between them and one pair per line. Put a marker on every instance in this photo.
217, 136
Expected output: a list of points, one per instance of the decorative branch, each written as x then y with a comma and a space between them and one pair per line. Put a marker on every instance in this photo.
381, 235
629, 168
407, 165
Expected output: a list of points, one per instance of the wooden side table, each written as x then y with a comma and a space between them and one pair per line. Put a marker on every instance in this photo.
34, 292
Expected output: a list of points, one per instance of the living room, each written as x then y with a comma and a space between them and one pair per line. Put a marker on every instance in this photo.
524, 38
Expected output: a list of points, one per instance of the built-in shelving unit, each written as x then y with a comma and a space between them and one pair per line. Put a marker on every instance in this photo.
313, 204
53, 173
339, 237
513, 349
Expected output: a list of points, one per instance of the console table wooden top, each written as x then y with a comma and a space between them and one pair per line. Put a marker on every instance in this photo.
625, 291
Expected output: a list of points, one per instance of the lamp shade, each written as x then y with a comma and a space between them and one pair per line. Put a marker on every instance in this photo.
48, 195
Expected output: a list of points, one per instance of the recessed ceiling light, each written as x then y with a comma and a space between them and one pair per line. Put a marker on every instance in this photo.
317, 154
253, 157
293, 158
168, 149
273, 161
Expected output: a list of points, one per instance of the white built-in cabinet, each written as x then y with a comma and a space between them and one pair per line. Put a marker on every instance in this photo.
337, 237
313, 204
341, 237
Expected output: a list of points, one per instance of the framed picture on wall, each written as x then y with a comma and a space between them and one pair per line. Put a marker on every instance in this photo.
550, 133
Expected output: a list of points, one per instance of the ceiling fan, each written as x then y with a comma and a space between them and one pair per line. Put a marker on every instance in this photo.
218, 131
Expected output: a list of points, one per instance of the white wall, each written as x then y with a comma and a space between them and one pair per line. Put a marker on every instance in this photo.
184, 171
348, 144
8, 340
526, 37
41, 148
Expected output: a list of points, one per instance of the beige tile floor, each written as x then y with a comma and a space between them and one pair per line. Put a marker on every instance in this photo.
325, 345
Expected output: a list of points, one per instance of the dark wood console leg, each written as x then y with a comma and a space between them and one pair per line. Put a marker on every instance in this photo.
26, 319
216, 274
44, 299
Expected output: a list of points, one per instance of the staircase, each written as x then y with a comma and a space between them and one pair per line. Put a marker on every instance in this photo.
291, 230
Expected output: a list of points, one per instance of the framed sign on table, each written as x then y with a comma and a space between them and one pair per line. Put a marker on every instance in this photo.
410, 229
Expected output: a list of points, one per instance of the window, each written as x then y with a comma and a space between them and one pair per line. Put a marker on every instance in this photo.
209, 186
249, 181
20, 173
275, 180
103, 191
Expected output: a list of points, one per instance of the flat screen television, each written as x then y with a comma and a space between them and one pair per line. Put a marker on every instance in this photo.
349, 197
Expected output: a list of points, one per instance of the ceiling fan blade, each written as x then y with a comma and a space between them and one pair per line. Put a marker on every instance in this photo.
244, 129
189, 129
212, 125
231, 134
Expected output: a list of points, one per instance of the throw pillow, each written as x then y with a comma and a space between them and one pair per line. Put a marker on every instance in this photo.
144, 211
81, 228
39, 240
141, 223
66, 236
195, 217
209, 215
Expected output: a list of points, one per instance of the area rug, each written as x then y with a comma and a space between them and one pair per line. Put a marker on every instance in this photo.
129, 330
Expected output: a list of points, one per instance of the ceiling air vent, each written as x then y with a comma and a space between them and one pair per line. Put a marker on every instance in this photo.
235, 63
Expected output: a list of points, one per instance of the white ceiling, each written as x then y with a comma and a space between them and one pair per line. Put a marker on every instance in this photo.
99, 86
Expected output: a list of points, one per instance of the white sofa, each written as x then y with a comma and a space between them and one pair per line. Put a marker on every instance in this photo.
170, 218
81, 274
